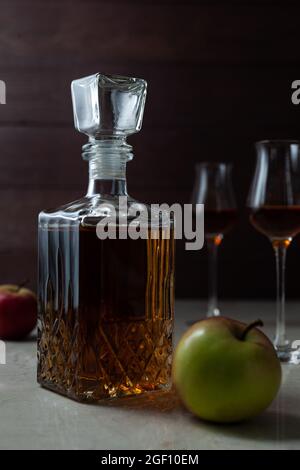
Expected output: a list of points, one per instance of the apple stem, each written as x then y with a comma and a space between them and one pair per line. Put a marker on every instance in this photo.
249, 327
22, 284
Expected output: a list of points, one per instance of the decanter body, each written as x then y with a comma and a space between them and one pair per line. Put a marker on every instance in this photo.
105, 304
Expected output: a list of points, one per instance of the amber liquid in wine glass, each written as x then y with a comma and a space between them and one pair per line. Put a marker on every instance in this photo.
277, 221
219, 222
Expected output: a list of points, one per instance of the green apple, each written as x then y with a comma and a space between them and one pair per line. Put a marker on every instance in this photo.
226, 371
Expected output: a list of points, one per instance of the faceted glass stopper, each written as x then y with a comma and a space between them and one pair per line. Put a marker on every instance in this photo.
108, 104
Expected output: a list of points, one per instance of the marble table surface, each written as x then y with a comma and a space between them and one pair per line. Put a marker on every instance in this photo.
34, 418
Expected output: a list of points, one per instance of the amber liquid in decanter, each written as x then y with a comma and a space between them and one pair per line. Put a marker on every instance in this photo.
108, 318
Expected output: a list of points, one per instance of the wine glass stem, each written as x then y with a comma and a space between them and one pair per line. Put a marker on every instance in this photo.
212, 245
280, 341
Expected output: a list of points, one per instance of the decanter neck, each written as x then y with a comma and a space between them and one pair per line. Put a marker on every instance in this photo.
107, 159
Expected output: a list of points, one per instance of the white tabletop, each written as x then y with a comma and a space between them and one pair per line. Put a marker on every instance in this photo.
34, 418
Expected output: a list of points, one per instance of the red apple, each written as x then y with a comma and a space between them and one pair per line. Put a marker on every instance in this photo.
18, 312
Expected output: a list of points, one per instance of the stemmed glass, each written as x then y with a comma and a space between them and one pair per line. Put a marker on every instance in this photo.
274, 200
213, 188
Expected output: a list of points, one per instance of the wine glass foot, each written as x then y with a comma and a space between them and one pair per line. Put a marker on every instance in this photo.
288, 355
215, 312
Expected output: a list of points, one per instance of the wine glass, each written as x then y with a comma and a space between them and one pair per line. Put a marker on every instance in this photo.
274, 200
213, 188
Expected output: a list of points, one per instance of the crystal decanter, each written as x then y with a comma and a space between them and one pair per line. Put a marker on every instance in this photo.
105, 304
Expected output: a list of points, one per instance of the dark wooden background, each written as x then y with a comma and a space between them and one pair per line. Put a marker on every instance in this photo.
219, 76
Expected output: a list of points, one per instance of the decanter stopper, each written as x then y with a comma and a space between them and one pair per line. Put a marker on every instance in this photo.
108, 105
